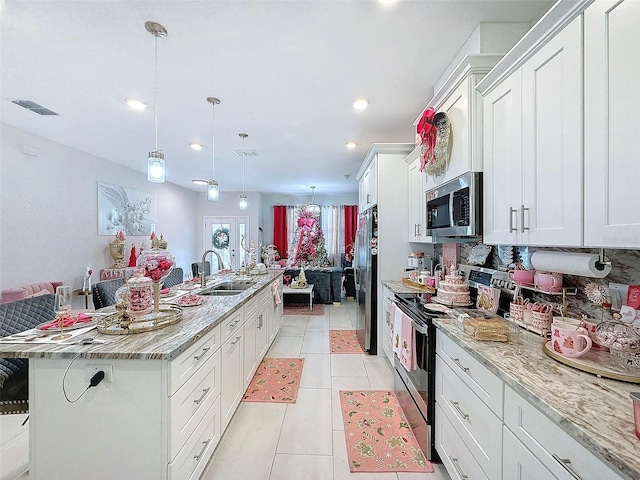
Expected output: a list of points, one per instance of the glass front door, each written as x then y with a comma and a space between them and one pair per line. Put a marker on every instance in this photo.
223, 234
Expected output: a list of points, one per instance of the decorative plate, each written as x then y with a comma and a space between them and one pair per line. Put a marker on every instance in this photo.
190, 300
505, 253
479, 254
435, 307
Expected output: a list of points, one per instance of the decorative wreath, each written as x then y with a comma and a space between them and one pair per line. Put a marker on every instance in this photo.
221, 238
434, 130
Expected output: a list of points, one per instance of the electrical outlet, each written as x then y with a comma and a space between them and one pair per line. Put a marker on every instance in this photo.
91, 370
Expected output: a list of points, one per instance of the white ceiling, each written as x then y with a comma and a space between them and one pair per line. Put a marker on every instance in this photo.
286, 73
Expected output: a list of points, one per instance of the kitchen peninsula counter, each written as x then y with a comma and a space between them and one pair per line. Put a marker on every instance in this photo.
596, 412
162, 344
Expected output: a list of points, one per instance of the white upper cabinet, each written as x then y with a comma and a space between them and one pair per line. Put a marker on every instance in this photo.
368, 187
612, 124
416, 198
532, 148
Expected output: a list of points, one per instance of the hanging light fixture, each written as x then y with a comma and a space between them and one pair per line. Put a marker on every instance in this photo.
313, 207
213, 189
155, 162
244, 203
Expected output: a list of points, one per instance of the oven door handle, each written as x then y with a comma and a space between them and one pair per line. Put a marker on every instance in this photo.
419, 328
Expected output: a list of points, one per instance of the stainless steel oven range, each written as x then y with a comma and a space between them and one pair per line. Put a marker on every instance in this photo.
416, 389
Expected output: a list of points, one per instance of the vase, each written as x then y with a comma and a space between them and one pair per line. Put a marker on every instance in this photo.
116, 249
157, 265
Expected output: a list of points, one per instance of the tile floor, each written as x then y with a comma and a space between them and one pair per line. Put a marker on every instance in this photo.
305, 440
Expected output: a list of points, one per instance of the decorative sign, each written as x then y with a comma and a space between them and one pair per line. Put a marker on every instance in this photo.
126, 210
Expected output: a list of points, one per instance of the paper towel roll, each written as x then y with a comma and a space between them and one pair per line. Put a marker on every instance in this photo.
583, 264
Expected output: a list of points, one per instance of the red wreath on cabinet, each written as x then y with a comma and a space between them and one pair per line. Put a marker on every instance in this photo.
427, 131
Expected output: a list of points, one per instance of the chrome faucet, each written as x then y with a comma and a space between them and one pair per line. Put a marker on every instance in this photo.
203, 274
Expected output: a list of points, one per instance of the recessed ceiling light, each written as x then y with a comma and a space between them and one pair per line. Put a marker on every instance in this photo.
361, 103
387, 2
195, 146
135, 103
351, 145
200, 182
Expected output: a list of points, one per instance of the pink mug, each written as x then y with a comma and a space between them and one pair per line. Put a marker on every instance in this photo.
548, 282
569, 340
522, 277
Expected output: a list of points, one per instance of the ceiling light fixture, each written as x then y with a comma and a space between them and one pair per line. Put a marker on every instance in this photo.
312, 206
244, 203
195, 146
213, 190
351, 145
198, 181
135, 104
361, 103
155, 162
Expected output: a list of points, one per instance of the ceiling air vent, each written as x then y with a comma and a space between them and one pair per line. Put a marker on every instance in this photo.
248, 153
34, 107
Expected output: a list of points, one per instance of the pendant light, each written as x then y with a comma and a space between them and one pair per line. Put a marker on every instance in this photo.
313, 207
244, 203
155, 161
213, 189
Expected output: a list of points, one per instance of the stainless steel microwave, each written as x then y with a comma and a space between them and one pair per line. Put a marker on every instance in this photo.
454, 209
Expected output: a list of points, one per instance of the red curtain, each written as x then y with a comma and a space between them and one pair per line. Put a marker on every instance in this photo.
350, 226
280, 229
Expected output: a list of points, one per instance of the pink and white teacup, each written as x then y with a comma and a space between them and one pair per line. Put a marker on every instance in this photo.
548, 282
569, 340
522, 277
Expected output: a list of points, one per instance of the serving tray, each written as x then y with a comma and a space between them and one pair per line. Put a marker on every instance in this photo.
419, 286
597, 362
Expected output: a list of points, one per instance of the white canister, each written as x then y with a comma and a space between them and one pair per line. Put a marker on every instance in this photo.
422, 278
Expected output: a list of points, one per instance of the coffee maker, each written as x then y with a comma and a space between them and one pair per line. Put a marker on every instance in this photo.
419, 262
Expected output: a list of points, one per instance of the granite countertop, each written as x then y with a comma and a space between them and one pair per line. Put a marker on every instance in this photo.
596, 412
396, 286
164, 343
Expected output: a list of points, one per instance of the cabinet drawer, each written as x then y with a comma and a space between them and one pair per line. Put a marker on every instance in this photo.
549, 443
475, 423
231, 324
181, 369
487, 386
254, 303
192, 400
193, 457
455, 456
518, 463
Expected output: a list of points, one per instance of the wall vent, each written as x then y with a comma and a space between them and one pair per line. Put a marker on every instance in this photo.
34, 107
249, 153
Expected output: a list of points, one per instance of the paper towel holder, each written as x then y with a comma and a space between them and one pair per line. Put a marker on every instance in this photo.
602, 262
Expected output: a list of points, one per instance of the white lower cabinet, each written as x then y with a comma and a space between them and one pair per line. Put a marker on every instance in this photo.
232, 376
454, 454
564, 457
250, 358
485, 430
518, 463
387, 322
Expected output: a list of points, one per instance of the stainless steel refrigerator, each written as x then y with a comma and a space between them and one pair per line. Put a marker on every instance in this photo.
366, 268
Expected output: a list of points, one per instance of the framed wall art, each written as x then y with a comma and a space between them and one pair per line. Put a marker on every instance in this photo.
126, 210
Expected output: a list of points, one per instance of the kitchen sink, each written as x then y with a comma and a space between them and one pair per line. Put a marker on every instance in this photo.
237, 285
219, 293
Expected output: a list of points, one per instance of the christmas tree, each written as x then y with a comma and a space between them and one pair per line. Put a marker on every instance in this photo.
307, 248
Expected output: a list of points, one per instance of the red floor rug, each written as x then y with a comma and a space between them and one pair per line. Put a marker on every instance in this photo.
344, 341
277, 381
303, 309
378, 436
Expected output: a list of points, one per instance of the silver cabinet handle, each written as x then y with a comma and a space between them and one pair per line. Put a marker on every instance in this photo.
204, 394
456, 465
566, 464
456, 405
204, 447
368, 197
260, 321
204, 351
522, 210
419, 230
511, 227
462, 367
234, 323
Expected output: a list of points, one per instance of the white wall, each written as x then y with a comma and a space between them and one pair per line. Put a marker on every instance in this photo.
271, 199
49, 207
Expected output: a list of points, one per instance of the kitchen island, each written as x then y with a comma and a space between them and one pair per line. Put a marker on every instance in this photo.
167, 396
595, 412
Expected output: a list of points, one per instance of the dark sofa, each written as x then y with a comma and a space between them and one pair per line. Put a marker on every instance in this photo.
327, 282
